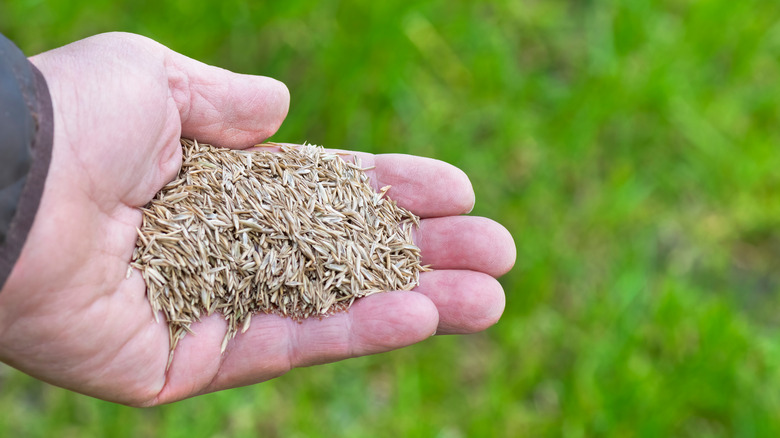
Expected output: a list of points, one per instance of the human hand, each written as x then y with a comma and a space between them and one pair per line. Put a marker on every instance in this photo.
69, 315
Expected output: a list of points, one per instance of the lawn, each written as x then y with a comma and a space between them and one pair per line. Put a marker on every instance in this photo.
631, 147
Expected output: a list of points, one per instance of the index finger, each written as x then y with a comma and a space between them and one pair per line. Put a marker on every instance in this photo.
425, 186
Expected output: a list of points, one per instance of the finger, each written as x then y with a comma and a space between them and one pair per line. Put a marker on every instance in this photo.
196, 361
425, 186
466, 242
467, 301
224, 108
375, 324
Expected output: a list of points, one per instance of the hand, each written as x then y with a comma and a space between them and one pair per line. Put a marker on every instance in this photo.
70, 317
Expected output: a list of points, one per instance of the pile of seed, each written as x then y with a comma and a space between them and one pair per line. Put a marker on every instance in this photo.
299, 232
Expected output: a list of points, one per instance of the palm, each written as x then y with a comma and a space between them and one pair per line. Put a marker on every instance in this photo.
120, 108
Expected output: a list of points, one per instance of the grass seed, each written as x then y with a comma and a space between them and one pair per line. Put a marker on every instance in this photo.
299, 233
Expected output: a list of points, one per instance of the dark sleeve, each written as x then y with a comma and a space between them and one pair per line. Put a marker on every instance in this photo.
26, 130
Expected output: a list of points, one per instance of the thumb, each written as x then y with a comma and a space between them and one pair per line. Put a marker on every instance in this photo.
225, 108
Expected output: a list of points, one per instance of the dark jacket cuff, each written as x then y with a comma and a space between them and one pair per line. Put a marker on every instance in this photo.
26, 134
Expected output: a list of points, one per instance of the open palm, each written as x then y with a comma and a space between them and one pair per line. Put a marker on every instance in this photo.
69, 315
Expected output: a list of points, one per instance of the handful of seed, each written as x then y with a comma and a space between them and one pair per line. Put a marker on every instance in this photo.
299, 233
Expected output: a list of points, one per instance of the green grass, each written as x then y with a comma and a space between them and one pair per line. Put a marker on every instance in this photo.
630, 146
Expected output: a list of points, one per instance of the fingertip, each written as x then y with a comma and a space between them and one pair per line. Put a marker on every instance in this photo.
495, 309
507, 256
426, 186
259, 107
392, 320
279, 102
486, 302
224, 108
423, 311
468, 198
466, 242
467, 301
453, 188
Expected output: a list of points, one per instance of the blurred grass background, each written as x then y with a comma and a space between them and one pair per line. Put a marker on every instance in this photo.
630, 146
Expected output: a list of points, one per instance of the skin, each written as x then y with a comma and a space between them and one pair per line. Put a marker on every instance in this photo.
69, 316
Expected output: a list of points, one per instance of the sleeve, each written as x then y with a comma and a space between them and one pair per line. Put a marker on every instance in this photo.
26, 135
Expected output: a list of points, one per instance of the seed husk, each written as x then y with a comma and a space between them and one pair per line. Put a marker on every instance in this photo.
299, 232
